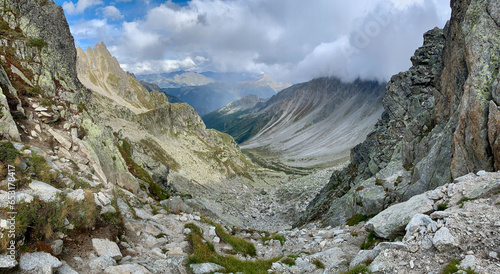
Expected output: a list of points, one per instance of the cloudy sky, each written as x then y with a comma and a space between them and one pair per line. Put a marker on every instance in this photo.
292, 40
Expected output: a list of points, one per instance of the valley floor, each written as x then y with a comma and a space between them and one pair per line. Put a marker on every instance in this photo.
269, 208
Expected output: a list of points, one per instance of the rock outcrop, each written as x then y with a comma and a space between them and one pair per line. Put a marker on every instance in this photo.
165, 136
440, 120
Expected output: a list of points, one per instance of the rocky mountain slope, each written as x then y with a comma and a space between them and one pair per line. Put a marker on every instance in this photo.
312, 124
100, 72
213, 96
151, 87
224, 118
439, 122
165, 137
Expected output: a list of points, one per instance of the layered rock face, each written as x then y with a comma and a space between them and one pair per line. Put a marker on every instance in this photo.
37, 55
440, 120
165, 136
101, 73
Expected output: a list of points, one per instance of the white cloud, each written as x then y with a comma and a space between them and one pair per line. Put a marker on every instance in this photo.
291, 40
112, 13
159, 66
94, 31
80, 6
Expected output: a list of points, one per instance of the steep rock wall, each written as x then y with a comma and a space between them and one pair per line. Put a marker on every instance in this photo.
440, 120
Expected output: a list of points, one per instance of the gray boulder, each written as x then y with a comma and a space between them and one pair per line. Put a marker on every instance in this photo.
57, 246
127, 269
31, 261
370, 255
205, 268
363, 256
77, 195
468, 262
105, 247
485, 190
382, 264
176, 205
443, 240
418, 223
99, 264
331, 258
66, 269
7, 262
45, 191
392, 221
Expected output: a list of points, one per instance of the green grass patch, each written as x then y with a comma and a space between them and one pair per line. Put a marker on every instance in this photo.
370, 241
36, 90
452, 267
239, 245
194, 228
155, 190
82, 107
41, 170
45, 102
8, 152
277, 237
442, 207
288, 261
202, 252
359, 269
356, 219
39, 220
37, 42
318, 264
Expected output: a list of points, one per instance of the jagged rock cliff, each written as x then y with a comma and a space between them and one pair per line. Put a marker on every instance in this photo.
440, 120
101, 73
165, 136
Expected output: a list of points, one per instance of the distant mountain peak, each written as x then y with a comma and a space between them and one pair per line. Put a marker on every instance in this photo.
176, 79
100, 71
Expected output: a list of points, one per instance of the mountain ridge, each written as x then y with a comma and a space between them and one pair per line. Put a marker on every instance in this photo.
212, 96
152, 124
297, 126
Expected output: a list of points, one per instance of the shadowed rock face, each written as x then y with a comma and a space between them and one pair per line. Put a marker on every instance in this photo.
473, 147
440, 120
60, 55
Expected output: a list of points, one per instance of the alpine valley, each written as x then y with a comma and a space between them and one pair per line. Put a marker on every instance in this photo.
106, 172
